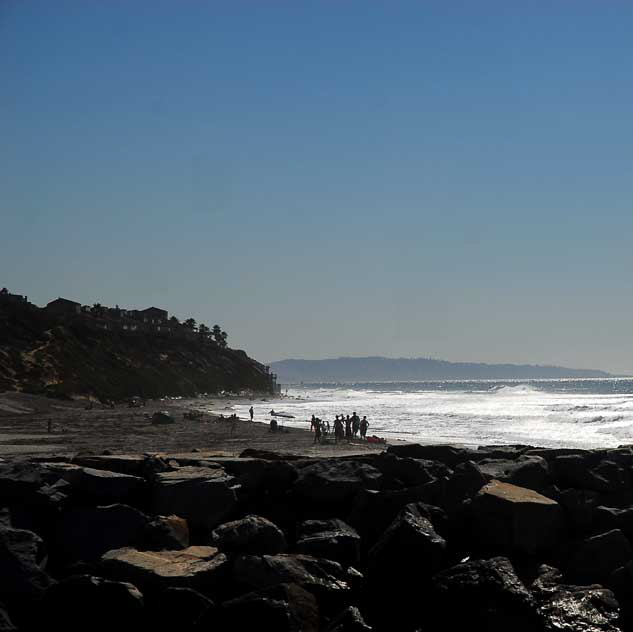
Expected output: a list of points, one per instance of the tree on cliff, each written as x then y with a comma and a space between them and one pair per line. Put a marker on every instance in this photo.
174, 322
190, 323
204, 331
219, 336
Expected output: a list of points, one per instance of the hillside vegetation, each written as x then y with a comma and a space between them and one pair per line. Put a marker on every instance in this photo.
40, 355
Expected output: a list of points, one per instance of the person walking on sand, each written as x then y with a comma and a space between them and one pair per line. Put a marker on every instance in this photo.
364, 424
251, 412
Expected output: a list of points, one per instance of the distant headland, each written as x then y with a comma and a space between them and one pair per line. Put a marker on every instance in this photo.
380, 369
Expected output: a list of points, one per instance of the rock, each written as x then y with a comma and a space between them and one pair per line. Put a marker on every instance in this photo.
582, 472
578, 506
335, 482
373, 511
5, 621
21, 479
331, 539
283, 608
350, 620
22, 581
83, 602
269, 455
166, 533
199, 567
132, 464
204, 497
85, 534
531, 472
573, 608
608, 518
98, 485
509, 452
180, 609
326, 579
449, 455
410, 472
410, 547
467, 479
510, 519
249, 535
162, 417
259, 475
595, 558
482, 595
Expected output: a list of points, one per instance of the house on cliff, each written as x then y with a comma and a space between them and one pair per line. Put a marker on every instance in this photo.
63, 307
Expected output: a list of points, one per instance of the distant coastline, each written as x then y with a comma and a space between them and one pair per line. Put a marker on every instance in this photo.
381, 369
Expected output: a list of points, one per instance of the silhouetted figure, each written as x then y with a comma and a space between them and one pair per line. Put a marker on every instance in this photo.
273, 425
339, 431
317, 432
355, 424
251, 412
364, 424
348, 428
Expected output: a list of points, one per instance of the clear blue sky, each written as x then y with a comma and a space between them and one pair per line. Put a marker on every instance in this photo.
447, 179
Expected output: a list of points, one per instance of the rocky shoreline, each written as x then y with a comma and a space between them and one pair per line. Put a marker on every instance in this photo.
418, 537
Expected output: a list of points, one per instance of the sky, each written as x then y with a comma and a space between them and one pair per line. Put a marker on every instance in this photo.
429, 178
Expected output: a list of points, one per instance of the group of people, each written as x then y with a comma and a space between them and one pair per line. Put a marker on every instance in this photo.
344, 427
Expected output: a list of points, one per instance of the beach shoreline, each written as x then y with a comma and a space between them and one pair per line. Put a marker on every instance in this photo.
78, 429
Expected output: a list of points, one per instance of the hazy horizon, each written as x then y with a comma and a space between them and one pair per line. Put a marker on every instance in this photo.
322, 179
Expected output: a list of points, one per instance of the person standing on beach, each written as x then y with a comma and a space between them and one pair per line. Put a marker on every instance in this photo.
251, 412
317, 432
355, 424
364, 424
348, 428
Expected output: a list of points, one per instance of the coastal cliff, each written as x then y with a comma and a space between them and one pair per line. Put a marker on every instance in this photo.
39, 353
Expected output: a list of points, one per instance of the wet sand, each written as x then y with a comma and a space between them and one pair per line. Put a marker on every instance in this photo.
75, 430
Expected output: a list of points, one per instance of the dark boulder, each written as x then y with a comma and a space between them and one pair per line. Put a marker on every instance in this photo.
5, 622
350, 620
81, 602
85, 534
285, 607
467, 479
531, 472
574, 608
205, 497
132, 464
335, 482
481, 595
179, 609
595, 558
509, 519
608, 518
579, 506
22, 581
449, 455
583, 472
269, 455
410, 472
249, 535
165, 533
332, 539
410, 547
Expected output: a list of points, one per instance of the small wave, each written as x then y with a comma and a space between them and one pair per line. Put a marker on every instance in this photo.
519, 389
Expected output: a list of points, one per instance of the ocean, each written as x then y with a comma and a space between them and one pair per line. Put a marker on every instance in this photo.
582, 413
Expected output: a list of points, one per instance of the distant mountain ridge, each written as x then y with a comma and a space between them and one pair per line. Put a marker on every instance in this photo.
380, 369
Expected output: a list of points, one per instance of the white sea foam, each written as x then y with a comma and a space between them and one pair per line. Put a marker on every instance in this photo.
580, 413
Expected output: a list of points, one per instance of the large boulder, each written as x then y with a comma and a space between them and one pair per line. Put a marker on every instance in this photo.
326, 579
410, 547
608, 518
332, 539
98, 485
249, 535
285, 607
579, 506
531, 472
410, 472
350, 620
84, 602
465, 481
595, 558
510, 519
85, 534
132, 464
165, 533
482, 595
583, 472
335, 482
573, 608
205, 497
22, 581
179, 609
199, 567
449, 455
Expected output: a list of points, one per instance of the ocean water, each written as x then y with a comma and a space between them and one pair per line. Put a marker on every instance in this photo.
585, 413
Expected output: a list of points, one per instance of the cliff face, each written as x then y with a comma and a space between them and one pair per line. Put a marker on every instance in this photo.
40, 355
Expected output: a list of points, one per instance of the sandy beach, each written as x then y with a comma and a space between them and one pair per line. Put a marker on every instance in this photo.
24, 421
